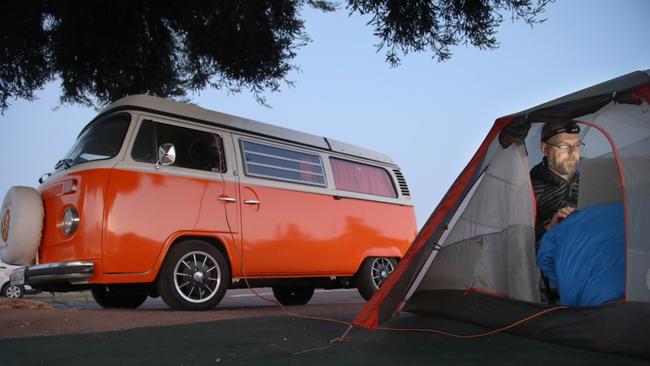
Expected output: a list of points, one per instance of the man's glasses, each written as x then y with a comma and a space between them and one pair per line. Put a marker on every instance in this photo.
567, 147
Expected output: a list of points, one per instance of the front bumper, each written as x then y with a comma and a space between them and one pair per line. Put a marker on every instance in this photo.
74, 272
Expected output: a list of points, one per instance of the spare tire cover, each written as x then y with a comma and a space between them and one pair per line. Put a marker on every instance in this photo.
21, 225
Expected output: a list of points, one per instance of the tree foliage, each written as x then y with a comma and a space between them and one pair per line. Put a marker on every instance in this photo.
105, 49
417, 25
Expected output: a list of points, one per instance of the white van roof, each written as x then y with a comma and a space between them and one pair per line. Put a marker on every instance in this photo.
202, 115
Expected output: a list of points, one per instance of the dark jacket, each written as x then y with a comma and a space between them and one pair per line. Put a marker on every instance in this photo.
552, 193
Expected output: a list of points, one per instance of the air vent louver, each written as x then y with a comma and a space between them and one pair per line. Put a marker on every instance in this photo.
402, 183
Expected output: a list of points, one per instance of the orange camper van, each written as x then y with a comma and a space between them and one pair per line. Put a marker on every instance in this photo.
160, 198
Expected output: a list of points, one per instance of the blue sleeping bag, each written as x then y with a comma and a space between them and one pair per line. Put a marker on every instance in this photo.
584, 256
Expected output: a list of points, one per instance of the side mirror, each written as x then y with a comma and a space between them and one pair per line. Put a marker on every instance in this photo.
44, 177
166, 155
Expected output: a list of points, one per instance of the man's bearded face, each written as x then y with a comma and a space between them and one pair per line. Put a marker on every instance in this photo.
563, 162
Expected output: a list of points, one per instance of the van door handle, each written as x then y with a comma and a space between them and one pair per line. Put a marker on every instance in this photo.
251, 202
227, 199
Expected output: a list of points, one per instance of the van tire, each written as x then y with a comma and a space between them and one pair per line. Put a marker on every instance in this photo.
293, 295
373, 272
13, 291
118, 296
21, 225
187, 272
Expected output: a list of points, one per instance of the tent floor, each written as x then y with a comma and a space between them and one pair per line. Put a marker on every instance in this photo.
276, 340
621, 328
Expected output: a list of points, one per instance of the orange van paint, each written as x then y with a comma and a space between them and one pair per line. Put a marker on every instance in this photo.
318, 234
88, 198
128, 232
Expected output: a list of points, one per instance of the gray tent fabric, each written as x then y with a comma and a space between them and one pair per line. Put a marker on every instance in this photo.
628, 126
503, 263
503, 198
490, 245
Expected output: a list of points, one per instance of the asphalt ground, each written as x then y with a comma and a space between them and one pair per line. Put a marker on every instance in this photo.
245, 330
293, 341
240, 298
76, 313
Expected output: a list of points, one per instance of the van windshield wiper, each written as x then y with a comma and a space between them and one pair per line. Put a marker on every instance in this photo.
65, 163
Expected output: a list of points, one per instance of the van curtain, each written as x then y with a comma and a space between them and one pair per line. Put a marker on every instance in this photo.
350, 176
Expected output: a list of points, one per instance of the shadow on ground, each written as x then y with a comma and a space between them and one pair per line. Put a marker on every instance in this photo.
294, 341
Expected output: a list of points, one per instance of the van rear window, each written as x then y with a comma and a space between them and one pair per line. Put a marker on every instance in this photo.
274, 162
362, 178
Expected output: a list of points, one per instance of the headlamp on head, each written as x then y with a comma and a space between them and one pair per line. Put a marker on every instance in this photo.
551, 129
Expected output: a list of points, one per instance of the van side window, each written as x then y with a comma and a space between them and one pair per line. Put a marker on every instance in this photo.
144, 147
362, 178
274, 162
195, 149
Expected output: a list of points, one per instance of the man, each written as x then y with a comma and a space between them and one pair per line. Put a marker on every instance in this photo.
555, 179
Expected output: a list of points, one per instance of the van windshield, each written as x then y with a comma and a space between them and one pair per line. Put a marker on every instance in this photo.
101, 139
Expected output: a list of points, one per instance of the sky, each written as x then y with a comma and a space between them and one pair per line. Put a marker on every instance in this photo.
429, 117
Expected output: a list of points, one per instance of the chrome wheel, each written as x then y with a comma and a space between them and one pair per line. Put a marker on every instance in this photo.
13, 292
381, 268
372, 274
197, 277
194, 276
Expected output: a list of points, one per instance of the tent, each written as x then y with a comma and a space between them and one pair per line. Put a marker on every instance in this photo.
474, 259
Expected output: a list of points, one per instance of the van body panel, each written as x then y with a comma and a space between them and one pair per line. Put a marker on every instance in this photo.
143, 209
372, 229
230, 243
288, 232
318, 233
350, 149
85, 190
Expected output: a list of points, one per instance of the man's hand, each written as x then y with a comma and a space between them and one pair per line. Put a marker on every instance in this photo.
560, 215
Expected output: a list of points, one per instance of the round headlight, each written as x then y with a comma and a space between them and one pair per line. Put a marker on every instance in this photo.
69, 221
